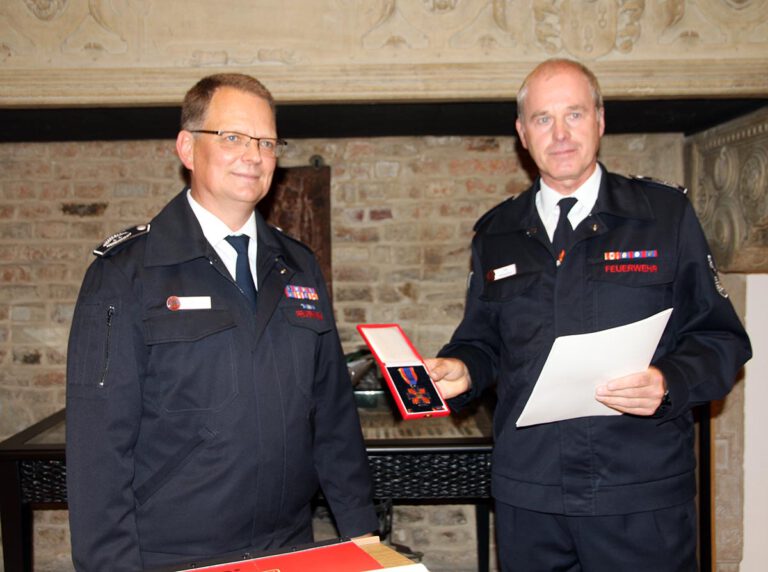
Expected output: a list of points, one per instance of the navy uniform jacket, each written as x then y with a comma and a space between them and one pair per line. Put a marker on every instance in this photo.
192, 433
599, 465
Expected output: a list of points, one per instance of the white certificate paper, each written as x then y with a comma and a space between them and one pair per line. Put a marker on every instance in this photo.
578, 364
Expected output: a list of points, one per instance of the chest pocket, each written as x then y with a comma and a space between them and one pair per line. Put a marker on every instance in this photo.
630, 289
509, 288
638, 272
192, 362
516, 303
303, 326
311, 318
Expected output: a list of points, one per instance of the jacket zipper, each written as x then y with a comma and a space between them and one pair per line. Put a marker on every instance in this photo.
110, 314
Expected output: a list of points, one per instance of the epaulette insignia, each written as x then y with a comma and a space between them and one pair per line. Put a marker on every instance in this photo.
120, 238
659, 182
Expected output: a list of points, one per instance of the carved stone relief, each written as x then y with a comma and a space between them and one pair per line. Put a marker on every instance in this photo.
743, 13
45, 10
439, 24
78, 30
728, 178
589, 29
686, 25
713, 21
134, 52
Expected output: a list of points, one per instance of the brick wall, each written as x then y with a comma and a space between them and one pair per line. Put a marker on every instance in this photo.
403, 210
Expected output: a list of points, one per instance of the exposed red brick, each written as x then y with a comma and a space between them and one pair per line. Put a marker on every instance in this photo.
482, 144
90, 190
355, 273
18, 190
380, 214
15, 274
354, 315
17, 230
348, 234
353, 294
48, 379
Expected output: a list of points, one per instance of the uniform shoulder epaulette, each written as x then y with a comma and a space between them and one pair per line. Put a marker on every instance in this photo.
119, 238
489, 214
291, 238
659, 183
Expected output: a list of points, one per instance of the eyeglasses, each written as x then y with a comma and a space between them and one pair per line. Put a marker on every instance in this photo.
268, 146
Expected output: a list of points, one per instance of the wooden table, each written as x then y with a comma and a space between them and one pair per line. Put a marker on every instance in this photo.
383, 554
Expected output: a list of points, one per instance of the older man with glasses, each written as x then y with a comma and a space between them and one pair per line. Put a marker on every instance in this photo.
205, 404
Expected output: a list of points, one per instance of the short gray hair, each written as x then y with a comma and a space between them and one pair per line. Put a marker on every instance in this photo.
594, 85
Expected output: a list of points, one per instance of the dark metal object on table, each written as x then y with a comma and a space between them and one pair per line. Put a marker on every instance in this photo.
32, 476
444, 460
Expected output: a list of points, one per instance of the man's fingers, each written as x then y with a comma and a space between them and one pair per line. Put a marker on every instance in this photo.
633, 405
450, 376
442, 368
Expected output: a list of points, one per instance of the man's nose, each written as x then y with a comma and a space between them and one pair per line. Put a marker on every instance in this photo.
252, 152
560, 130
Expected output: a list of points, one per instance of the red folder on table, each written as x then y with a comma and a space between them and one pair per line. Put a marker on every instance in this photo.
414, 392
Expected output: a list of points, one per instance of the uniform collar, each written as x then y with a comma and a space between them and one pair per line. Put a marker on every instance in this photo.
618, 196
177, 237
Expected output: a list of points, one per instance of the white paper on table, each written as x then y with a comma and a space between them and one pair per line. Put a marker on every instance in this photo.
578, 364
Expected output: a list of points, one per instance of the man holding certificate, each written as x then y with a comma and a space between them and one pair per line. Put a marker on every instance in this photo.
584, 251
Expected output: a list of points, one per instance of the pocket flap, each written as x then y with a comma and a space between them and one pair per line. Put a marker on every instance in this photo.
187, 326
508, 288
314, 320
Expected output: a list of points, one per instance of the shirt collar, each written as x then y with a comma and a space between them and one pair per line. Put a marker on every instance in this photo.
586, 195
214, 229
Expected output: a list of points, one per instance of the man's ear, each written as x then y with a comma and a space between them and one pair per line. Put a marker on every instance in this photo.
601, 120
185, 144
521, 133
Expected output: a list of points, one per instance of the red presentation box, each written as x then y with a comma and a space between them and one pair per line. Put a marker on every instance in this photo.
341, 557
407, 378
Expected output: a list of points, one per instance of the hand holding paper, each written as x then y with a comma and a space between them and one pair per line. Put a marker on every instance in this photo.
637, 394
578, 365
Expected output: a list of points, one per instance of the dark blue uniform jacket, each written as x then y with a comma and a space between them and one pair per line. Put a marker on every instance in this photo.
599, 465
192, 433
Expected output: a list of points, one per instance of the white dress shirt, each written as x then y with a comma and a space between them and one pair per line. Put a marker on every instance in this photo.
216, 231
586, 196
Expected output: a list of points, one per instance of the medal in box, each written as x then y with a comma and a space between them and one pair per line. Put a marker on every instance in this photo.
403, 369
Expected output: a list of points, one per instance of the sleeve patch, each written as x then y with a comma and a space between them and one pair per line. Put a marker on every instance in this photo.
716, 277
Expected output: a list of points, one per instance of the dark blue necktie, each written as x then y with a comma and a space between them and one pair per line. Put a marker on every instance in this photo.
562, 240
243, 276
